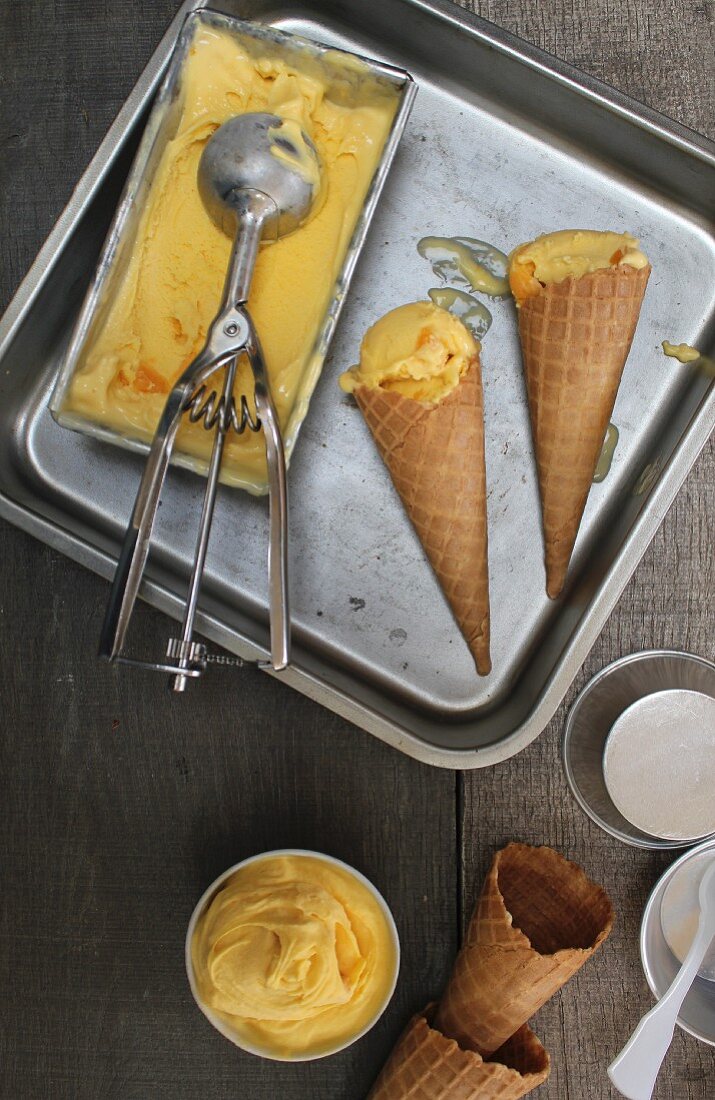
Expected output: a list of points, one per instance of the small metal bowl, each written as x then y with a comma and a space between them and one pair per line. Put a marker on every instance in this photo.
592, 716
697, 1015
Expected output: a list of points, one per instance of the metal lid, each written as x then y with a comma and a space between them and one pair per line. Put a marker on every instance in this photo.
659, 764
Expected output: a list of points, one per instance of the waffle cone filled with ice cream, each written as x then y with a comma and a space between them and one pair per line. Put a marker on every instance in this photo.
419, 388
579, 295
537, 921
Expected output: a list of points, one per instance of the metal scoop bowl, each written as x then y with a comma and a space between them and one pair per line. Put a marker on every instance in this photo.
259, 177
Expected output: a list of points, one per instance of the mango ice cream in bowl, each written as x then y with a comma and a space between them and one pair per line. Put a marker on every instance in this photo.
292, 955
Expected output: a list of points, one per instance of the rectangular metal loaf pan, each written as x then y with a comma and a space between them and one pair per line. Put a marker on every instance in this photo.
343, 78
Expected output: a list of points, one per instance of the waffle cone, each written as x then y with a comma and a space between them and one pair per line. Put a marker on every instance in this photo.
575, 338
426, 1065
435, 456
537, 921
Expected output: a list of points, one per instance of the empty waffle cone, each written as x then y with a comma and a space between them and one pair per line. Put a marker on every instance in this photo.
435, 455
426, 1065
537, 921
575, 338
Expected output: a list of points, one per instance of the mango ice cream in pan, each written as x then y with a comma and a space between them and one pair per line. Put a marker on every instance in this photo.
160, 278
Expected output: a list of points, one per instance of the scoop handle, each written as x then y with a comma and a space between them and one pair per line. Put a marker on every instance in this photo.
252, 209
135, 547
279, 602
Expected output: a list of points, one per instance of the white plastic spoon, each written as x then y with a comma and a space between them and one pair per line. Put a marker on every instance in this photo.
635, 1069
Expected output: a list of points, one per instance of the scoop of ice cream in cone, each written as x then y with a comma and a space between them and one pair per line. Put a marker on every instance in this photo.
578, 294
419, 388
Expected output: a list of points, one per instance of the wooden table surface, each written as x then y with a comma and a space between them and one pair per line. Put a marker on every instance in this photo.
119, 805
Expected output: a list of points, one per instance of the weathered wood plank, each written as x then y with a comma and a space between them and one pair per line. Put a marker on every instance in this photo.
121, 803
657, 53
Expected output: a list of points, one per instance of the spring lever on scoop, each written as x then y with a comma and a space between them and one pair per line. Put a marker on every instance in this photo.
210, 409
258, 178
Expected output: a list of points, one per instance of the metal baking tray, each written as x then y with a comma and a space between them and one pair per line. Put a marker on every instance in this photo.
503, 143
345, 78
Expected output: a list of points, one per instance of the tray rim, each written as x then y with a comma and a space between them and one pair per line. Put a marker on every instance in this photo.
571, 76
673, 474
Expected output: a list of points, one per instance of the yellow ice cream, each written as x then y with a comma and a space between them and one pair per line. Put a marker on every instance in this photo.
684, 353
418, 350
554, 256
172, 287
295, 954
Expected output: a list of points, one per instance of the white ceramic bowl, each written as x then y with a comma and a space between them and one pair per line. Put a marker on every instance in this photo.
225, 1028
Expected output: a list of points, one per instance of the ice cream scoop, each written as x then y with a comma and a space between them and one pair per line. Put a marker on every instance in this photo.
417, 350
262, 164
553, 257
259, 175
